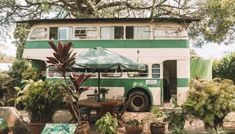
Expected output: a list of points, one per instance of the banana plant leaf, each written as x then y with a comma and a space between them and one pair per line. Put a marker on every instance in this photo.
102, 60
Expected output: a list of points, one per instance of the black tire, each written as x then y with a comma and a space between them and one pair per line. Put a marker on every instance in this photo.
139, 101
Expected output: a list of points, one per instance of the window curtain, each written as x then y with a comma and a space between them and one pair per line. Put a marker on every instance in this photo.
91, 32
107, 33
64, 33
141, 32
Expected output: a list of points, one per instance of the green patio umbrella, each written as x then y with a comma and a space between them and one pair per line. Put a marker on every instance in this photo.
102, 60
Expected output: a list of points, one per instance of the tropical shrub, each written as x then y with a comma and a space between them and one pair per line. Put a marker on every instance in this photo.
217, 130
107, 124
41, 99
210, 101
176, 122
3, 82
20, 70
31, 73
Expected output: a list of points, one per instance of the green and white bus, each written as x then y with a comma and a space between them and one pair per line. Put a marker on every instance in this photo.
162, 44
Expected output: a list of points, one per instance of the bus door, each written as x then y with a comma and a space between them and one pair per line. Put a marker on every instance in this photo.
169, 80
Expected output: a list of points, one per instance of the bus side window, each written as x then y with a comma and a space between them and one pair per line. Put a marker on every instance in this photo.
60, 33
141, 32
118, 32
53, 33
111, 32
111, 74
38, 33
64, 33
129, 32
155, 70
139, 73
145, 72
85, 33
166, 33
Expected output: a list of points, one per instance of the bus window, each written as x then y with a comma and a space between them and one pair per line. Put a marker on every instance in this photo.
85, 33
155, 70
51, 72
60, 33
129, 32
64, 33
166, 33
106, 33
141, 32
116, 32
38, 33
139, 73
85, 71
53, 33
111, 74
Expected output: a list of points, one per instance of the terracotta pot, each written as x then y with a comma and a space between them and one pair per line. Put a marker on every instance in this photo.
36, 128
132, 129
83, 128
4, 131
157, 128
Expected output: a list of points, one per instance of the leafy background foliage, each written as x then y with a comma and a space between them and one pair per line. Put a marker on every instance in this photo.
210, 101
41, 99
225, 67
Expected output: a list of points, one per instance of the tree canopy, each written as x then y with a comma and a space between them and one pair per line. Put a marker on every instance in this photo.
216, 25
225, 68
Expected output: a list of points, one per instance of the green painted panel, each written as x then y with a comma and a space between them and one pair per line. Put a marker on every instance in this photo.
115, 44
127, 83
201, 68
182, 82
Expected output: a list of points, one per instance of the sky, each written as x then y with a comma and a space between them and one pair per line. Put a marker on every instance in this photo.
214, 51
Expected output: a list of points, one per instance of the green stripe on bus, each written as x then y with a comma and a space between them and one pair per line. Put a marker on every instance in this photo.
182, 82
115, 44
128, 83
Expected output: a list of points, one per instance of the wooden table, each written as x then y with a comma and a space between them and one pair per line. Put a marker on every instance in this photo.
101, 107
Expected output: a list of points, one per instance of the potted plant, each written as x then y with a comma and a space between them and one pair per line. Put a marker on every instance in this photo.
63, 61
41, 99
176, 121
107, 124
157, 126
104, 91
134, 126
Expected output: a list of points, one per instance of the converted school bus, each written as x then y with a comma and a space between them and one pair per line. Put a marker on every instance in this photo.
161, 44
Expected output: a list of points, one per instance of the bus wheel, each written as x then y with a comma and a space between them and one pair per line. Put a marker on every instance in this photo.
139, 101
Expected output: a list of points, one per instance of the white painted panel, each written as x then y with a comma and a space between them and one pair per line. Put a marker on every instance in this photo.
156, 93
182, 93
183, 68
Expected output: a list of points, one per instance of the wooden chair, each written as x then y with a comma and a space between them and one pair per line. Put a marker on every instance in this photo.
121, 110
107, 107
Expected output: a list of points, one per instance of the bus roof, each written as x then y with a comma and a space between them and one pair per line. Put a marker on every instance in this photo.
94, 20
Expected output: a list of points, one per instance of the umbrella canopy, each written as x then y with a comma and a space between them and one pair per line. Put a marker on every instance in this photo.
102, 60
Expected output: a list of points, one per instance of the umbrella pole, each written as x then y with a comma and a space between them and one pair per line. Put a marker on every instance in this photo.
99, 86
